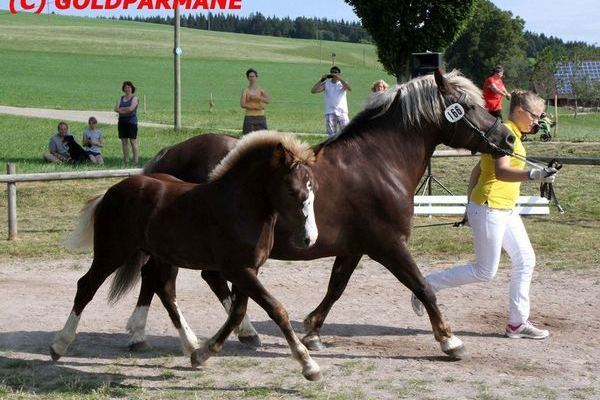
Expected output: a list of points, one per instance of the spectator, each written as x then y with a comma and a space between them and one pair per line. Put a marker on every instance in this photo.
494, 90
58, 152
379, 86
336, 106
128, 123
253, 100
92, 141
494, 187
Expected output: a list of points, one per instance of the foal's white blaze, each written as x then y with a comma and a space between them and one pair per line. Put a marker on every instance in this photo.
308, 209
136, 325
64, 338
189, 341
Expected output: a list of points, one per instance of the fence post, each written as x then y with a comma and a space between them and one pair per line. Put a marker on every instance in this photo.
11, 189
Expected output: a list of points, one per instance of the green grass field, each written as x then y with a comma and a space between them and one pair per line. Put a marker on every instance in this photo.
79, 63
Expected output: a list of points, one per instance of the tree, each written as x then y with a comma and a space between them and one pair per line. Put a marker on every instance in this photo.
493, 37
401, 27
544, 81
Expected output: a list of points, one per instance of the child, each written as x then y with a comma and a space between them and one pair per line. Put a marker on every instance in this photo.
545, 124
92, 141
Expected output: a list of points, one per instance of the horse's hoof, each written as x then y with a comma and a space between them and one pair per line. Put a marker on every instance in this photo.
314, 377
252, 341
312, 372
55, 356
453, 347
313, 343
457, 353
198, 358
138, 346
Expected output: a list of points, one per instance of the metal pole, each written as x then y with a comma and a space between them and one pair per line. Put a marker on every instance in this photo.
12, 203
177, 66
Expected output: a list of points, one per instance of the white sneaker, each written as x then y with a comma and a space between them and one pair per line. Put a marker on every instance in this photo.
417, 306
526, 331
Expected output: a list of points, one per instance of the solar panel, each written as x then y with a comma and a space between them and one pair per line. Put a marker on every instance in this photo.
566, 72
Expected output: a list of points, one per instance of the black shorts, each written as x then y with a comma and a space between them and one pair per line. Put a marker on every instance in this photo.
254, 123
128, 130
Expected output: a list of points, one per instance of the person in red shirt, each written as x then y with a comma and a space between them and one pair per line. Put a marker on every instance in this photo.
494, 90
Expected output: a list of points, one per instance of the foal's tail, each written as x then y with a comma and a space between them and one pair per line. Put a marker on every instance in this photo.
82, 238
127, 276
150, 166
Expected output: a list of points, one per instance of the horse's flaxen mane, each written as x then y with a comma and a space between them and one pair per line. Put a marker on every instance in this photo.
420, 100
301, 151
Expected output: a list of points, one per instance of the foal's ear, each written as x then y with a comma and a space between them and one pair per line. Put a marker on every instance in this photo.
282, 157
441, 81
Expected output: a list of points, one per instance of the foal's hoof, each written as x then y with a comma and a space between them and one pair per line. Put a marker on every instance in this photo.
313, 343
453, 347
55, 356
198, 358
138, 346
312, 372
252, 341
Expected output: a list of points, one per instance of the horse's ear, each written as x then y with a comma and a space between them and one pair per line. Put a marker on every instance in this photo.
441, 81
282, 157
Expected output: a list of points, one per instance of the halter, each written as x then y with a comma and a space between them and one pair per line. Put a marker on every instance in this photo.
455, 113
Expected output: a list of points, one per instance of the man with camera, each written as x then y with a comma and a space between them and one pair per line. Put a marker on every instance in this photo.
336, 106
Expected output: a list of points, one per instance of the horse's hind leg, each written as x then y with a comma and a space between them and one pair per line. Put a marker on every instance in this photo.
245, 331
165, 289
341, 272
248, 283
136, 324
215, 344
397, 259
86, 289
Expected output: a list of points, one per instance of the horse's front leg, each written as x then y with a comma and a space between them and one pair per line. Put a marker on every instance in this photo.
341, 272
397, 259
245, 331
248, 283
215, 344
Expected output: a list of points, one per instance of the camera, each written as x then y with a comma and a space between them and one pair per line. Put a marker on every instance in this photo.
329, 76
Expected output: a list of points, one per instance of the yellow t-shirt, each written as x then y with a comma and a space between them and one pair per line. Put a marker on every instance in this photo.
499, 194
254, 101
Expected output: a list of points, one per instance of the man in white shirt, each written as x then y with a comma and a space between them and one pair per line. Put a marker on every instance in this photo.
336, 106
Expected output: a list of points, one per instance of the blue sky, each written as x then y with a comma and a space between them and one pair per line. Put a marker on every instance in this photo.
568, 20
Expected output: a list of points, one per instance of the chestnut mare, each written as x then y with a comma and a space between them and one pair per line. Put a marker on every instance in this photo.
367, 176
226, 225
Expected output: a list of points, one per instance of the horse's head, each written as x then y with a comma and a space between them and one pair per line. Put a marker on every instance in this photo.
292, 193
469, 124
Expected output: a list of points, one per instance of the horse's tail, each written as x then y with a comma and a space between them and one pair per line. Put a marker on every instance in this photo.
151, 165
127, 276
82, 238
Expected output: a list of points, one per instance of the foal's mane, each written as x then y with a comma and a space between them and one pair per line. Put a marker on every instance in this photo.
300, 151
415, 103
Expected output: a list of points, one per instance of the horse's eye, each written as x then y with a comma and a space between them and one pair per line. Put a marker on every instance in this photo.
291, 192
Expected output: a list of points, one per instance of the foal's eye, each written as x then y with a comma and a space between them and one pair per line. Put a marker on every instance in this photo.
291, 192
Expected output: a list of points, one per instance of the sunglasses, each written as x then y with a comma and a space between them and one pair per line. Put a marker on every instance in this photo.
532, 115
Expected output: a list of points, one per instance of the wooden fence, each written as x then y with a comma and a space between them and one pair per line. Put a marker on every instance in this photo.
11, 179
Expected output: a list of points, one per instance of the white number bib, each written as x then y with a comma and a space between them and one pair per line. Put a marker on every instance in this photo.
454, 112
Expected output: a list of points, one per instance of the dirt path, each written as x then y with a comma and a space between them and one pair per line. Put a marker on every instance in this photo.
377, 347
103, 117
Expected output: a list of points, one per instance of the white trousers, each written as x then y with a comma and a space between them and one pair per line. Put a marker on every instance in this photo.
494, 230
335, 123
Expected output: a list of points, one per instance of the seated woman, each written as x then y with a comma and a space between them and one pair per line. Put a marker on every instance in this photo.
58, 152
64, 148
